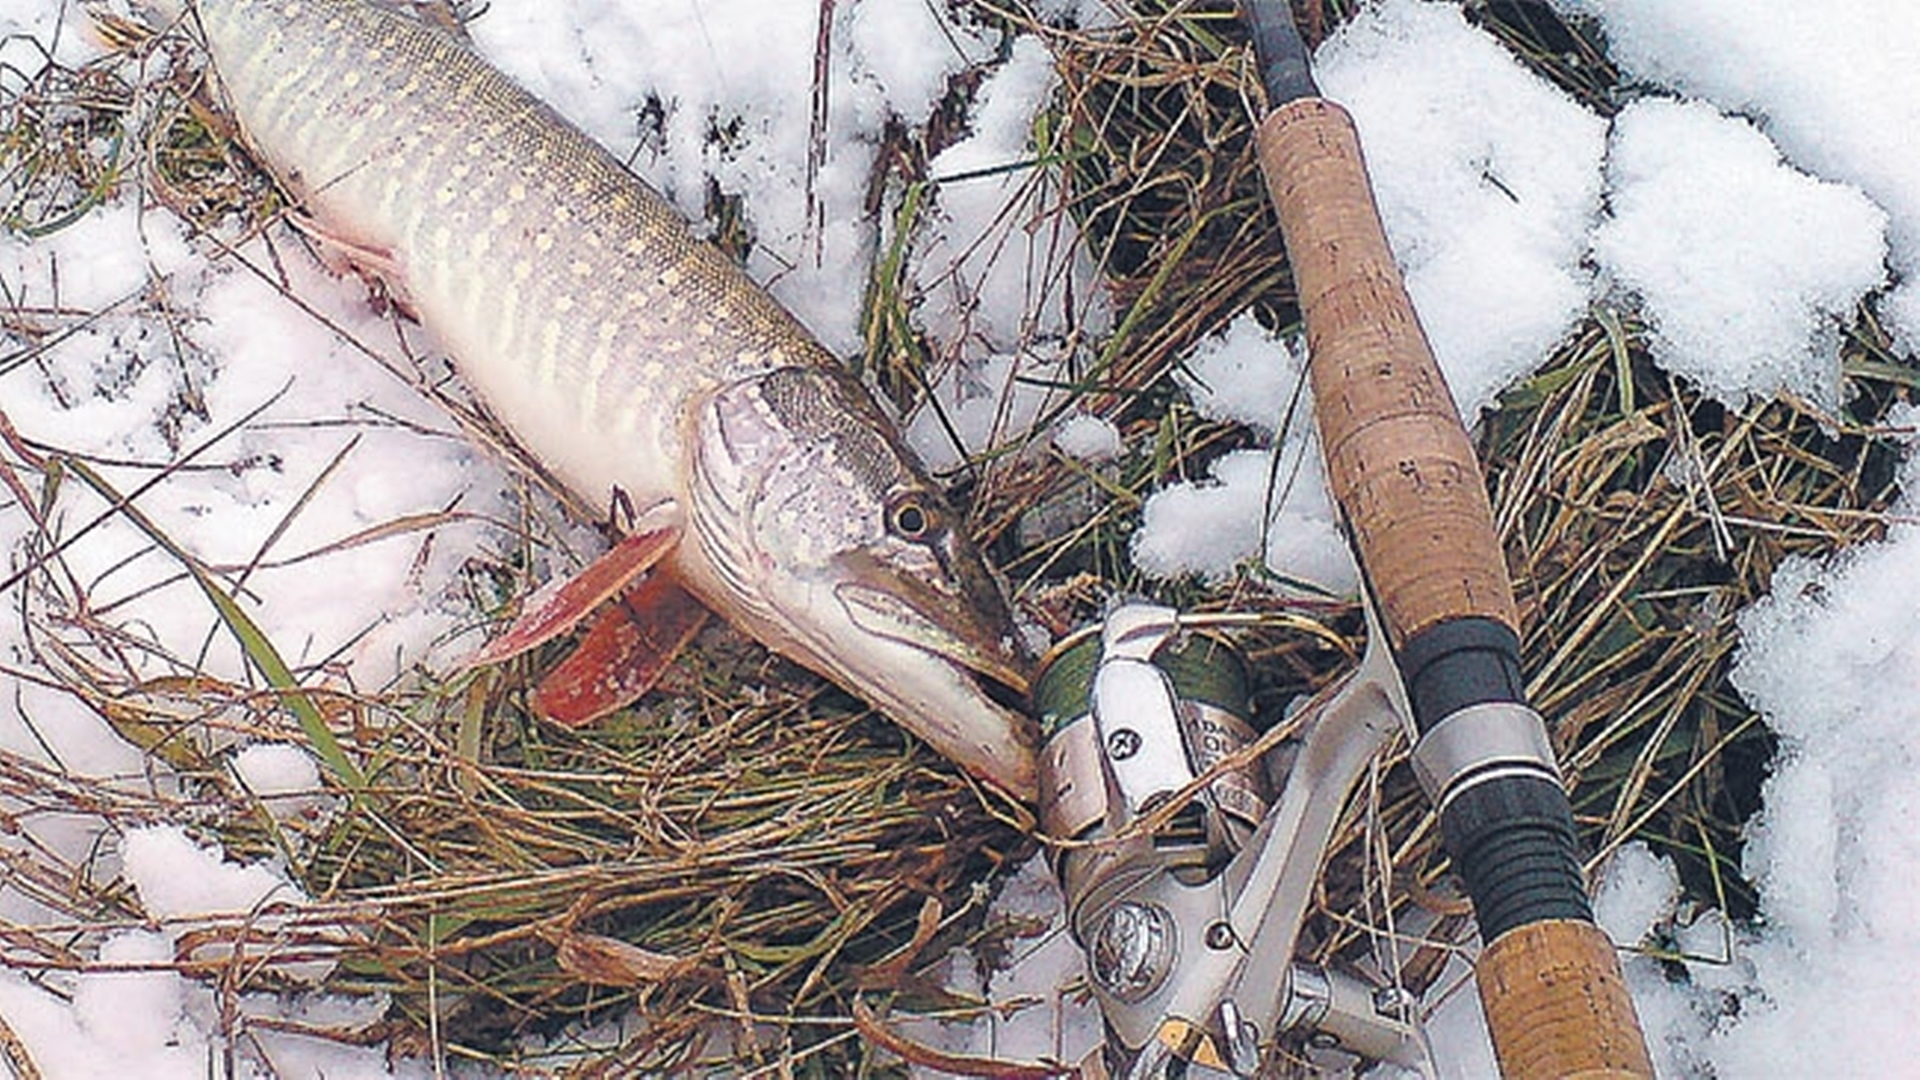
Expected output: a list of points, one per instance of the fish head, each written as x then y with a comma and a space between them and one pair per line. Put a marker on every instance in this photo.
812, 526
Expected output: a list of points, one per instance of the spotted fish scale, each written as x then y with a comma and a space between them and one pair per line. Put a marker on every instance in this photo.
543, 264
626, 354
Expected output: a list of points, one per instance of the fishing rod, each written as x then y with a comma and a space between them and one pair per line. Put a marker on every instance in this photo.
1188, 873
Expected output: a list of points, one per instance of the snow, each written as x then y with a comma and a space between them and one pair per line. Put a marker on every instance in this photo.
985, 404
132, 1011
133, 1014
1270, 506
1832, 660
1088, 438
1762, 184
154, 1025
1837, 86
285, 778
176, 877
1747, 269
1638, 890
998, 268
1002, 285
30, 31
1042, 1008
1203, 527
323, 408
1245, 375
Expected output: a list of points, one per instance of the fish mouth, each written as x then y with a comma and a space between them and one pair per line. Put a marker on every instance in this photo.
986, 656
951, 679
948, 678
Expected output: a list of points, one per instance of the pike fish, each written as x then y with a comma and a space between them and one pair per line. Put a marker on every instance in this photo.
629, 357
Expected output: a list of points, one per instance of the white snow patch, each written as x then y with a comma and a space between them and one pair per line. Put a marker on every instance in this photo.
1637, 891
1207, 527
1083, 14
30, 29
1832, 658
285, 778
987, 405
156, 1025
1087, 438
83, 1039
134, 1012
1487, 207
998, 272
276, 769
997, 266
119, 386
1747, 268
1837, 86
1247, 376
177, 878
1214, 526
182, 883
1042, 1009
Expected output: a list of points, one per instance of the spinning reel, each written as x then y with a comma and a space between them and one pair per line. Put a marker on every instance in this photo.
1187, 865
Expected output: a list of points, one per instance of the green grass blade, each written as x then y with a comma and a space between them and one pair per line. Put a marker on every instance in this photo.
259, 650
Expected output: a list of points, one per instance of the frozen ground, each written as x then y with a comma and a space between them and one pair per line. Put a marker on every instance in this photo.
1790, 130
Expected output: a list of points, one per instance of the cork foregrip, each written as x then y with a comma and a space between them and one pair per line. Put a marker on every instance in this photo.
1557, 1005
1398, 460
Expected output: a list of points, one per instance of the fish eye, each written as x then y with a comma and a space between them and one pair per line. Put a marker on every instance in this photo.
912, 519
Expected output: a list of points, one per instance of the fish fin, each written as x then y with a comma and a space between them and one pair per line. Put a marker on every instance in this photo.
623, 655
341, 254
559, 607
443, 15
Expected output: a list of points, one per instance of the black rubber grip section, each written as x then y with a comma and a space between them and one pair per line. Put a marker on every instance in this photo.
1513, 845
1281, 54
1458, 663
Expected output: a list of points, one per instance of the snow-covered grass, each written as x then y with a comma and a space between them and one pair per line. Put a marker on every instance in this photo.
1637, 271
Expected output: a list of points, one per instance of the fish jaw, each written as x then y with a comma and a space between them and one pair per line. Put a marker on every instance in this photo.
811, 526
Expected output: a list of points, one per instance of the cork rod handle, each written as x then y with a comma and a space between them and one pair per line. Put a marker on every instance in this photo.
1398, 460
1557, 1006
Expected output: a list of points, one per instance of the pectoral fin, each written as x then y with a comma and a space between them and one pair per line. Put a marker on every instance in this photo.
341, 254
556, 609
625, 652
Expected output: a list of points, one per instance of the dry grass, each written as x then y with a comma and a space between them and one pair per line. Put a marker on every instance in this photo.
741, 865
